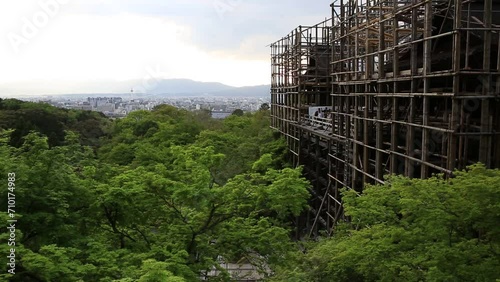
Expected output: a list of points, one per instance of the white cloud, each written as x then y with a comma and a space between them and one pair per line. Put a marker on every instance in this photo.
91, 40
83, 47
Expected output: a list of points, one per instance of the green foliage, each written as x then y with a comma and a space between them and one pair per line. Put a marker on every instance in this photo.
238, 112
164, 197
52, 263
24, 117
156, 271
413, 230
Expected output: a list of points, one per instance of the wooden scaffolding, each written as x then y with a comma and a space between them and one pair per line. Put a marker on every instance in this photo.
413, 87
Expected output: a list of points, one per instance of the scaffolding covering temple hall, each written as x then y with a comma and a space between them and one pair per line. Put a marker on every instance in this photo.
387, 87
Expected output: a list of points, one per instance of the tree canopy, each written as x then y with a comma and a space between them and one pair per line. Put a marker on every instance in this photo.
412, 230
24, 117
162, 197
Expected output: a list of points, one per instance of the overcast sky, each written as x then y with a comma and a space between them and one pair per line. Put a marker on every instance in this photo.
61, 43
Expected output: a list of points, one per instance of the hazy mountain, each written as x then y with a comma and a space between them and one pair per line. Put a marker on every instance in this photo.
179, 86
246, 91
163, 87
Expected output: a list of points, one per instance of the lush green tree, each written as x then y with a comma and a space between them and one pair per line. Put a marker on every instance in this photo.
413, 230
161, 200
243, 140
238, 112
179, 201
24, 117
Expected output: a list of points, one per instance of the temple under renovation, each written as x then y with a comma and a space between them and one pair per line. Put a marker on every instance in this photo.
407, 87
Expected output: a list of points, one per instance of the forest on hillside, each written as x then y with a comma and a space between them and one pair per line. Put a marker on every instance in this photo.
166, 195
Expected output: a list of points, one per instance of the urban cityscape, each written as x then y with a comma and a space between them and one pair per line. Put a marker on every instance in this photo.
116, 106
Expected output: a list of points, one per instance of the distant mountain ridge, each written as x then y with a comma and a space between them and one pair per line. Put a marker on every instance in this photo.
163, 87
183, 86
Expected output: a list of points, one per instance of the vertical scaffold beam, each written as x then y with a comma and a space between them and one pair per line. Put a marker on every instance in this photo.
455, 108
